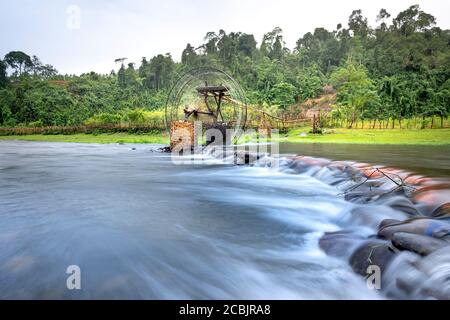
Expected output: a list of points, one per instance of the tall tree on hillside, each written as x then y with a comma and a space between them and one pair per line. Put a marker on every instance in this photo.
228, 47
130, 75
272, 45
143, 68
277, 48
36, 65
121, 78
412, 20
160, 72
47, 71
321, 48
38, 69
3, 75
247, 44
358, 24
382, 17
211, 39
189, 56
18, 61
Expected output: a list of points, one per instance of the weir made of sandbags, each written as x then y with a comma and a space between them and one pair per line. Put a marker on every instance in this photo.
410, 242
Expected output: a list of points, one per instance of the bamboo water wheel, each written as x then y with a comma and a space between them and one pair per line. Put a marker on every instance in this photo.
205, 99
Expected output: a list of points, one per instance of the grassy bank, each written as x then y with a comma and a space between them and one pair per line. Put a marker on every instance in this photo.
91, 138
371, 136
355, 136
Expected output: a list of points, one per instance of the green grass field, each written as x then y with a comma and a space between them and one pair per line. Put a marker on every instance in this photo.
371, 136
355, 136
91, 138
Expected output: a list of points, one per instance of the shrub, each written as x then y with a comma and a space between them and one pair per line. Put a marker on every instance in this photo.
103, 119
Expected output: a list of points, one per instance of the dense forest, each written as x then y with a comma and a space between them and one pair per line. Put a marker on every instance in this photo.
398, 69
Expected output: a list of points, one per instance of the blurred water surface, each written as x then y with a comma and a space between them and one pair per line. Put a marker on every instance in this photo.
141, 227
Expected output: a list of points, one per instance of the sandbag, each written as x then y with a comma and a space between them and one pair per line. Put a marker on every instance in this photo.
372, 252
423, 245
339, 243
437, 228
388, 222
442, 211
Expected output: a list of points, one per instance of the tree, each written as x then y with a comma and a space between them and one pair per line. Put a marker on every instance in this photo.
39, 69
268, 74
247, 45
309, 83
272, 44
412, 20
439, 102
227, 48
355, 90
399, 97
143, 68
211, 39
36, 65
160, 72
358, 24
283, 95
396, 70
3, 75
321, 48
188, 57
130, 75
19, 61
121, 78
382, 16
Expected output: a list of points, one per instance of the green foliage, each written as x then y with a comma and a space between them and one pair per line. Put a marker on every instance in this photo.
355, 91
19, 61
390, 71
131, 117
282, 94
103, 119
310, 83
36, 124
3, 75
142, 117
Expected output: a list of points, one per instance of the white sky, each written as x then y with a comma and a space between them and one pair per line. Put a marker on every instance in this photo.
137, 28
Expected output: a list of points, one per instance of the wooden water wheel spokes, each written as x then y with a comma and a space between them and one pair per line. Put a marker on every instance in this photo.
207, 98
218, 93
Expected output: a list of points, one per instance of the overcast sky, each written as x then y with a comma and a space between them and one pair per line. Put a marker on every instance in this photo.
135, 28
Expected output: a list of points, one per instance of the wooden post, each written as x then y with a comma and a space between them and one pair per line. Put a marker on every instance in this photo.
314, 128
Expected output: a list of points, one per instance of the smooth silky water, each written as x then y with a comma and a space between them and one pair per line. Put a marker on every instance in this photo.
140, 226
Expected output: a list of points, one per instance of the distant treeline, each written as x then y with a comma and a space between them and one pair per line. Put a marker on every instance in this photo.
395, 70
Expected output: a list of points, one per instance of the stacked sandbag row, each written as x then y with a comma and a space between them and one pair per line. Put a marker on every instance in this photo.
413, 255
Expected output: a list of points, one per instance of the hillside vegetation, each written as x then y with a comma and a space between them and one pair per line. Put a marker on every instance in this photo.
398, 69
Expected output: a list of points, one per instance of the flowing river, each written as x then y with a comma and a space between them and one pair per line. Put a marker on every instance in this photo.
141, 227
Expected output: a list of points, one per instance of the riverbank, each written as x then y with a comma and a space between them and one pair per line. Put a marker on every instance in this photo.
338, 136
372, 136
101, 138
